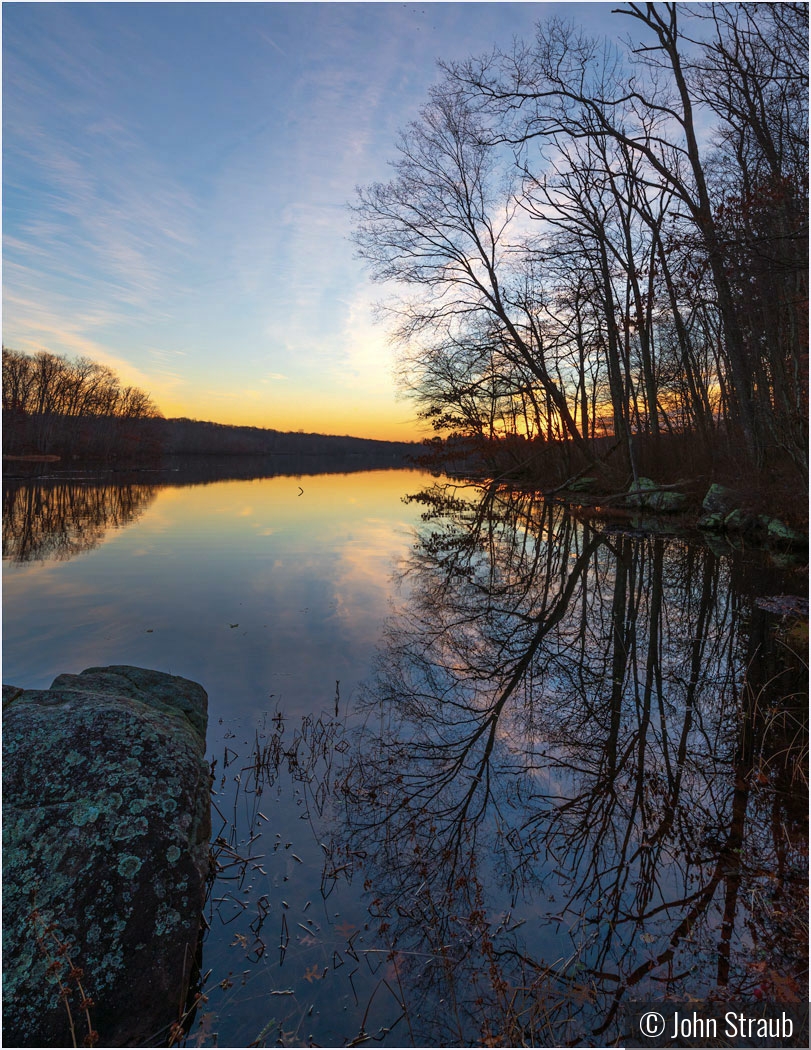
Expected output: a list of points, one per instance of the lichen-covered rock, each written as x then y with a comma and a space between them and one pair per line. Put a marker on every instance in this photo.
719, 500
643, 493
669, 502
106, 822
781, 534
638, 493
738, 521
711, 522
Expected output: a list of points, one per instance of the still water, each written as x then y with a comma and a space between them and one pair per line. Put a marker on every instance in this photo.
483, 772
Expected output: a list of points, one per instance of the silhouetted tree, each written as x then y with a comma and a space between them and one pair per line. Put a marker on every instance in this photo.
70, 407
571, 239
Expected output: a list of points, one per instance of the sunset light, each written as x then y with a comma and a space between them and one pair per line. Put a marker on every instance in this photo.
405, 524
175, 188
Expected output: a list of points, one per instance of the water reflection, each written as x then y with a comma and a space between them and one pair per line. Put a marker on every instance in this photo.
579, 777
55, 516
582, 778
301, 565
58, 519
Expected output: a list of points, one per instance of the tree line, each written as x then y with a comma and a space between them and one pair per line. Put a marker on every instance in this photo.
58, 405
596, 240
193, 437
77, 408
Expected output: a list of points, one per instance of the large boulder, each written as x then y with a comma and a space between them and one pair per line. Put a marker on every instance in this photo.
722, 512
647, 494
720, 500
739, 522
782, 535
639, 493
106, 821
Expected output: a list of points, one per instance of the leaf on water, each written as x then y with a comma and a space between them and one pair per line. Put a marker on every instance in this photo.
206, 1028
786, 989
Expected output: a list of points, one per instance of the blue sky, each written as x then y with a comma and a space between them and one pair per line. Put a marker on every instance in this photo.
175, 182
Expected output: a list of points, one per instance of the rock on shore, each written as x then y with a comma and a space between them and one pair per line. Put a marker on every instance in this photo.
106, 821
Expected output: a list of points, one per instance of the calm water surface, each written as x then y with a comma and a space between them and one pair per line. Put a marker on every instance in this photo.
483, 772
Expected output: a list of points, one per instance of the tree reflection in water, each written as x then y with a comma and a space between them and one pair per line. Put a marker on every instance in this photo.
59, 519
581, 779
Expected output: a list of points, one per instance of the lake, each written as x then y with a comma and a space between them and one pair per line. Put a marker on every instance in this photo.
485, 772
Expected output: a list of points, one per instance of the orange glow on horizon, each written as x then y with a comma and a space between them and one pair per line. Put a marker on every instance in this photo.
387, 423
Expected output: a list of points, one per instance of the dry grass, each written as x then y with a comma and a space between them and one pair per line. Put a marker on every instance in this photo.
68, 976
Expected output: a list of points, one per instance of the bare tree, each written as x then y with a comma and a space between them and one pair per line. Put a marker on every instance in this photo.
565, 86
49, 401
446, 227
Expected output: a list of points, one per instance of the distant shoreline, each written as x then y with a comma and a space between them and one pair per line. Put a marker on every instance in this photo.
32, 438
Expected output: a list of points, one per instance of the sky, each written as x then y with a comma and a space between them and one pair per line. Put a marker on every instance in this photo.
176, 182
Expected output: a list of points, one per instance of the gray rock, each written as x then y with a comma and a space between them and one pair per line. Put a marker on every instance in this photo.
752, 526
642, 493
736, 521
637, 493
781, 535
669, 502
106, 821
711, 522
719, 500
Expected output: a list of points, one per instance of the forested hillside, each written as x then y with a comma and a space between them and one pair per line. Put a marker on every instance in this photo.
77, 409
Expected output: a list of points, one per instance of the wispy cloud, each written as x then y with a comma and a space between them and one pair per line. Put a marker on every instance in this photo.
175, 181
37, 328
269, 40
110, 214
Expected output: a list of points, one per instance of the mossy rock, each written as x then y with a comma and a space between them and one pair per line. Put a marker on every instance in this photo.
751, 526
719, 500
711, 522
642, 494
106, 821
781, 535
669, 502
638, 493
582, 485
